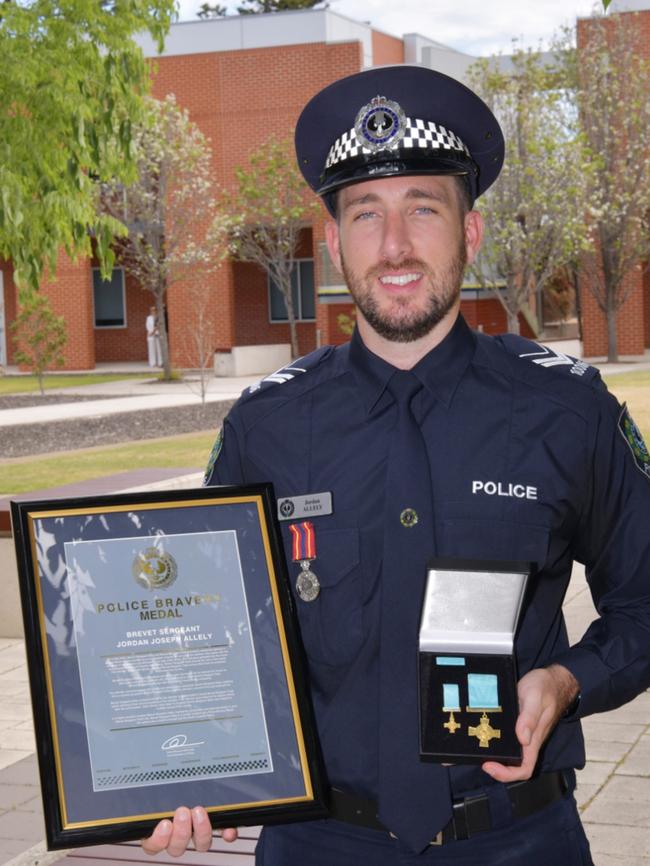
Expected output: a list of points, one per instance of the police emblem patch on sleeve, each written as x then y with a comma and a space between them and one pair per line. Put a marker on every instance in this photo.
634, 440
216, 451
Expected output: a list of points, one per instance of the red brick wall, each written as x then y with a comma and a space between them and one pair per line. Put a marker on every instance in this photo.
129, 343
646, 305
70, 294
386, 49
10, 305
243, 98
630, 324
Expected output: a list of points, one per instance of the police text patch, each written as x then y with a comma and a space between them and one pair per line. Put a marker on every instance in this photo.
634, 439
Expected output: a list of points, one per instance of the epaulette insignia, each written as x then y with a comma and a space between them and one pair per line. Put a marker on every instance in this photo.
290, 371
543, 356
634, 441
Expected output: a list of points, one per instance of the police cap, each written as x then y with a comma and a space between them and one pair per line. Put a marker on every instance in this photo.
397, 120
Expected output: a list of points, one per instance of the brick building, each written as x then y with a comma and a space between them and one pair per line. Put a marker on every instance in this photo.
242, 79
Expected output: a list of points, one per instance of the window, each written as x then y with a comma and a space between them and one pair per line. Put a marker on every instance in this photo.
108, 299
302, 289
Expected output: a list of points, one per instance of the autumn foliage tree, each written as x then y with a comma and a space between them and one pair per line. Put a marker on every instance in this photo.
169, 208
39, 336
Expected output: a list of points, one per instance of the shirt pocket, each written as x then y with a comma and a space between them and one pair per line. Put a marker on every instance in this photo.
331, 625
465, 530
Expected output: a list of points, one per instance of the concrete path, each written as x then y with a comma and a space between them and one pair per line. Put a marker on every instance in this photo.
127, 395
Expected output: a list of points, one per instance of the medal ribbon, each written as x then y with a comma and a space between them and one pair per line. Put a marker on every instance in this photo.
304, 541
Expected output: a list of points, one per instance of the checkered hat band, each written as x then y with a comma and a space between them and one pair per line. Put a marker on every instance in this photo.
421, 134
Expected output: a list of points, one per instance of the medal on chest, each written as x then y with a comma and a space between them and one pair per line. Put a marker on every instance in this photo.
303, 552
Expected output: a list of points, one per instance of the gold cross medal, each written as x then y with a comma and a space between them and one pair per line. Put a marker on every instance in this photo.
483, 694
451, 705
304, 551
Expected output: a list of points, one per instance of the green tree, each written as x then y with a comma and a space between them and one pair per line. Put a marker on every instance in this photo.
261, 219
255, 7
71, 82
214, 11
169, 208
39, 336
534, 213
614, 100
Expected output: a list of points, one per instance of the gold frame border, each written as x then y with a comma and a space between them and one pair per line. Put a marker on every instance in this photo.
256, 499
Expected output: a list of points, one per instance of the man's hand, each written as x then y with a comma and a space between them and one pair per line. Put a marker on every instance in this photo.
174, 836
544, 696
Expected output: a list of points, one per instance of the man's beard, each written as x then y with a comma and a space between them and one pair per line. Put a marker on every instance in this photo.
400, 325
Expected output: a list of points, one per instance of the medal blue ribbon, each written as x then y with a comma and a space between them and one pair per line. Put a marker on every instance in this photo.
483, 691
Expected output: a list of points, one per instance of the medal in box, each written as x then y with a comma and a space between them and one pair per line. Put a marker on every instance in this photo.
467, 669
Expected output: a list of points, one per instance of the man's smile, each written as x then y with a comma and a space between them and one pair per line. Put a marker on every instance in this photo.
399, 279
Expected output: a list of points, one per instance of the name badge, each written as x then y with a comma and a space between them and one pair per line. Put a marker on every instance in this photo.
312, 505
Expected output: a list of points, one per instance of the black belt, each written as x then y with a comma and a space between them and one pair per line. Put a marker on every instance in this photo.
470, 815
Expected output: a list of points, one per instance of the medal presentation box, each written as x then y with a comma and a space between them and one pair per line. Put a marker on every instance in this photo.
467, 670
164, 663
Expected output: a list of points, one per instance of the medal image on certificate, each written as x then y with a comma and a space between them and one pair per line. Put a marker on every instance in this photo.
164, 662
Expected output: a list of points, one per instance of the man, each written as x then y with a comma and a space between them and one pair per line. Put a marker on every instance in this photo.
153, 339
521, 460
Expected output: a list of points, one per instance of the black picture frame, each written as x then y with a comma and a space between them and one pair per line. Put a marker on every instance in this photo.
94, 570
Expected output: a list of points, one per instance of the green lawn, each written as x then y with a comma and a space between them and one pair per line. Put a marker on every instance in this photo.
39, 473
29, 384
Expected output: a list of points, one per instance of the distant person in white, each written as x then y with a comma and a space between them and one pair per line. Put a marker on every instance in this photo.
153, 339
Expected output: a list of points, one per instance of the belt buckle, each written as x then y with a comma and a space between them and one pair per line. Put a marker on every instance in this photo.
436, 841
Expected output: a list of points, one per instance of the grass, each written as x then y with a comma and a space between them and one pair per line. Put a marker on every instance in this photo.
29, 384
38, 473
192, 450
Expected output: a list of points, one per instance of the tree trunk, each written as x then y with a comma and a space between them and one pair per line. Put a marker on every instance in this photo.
291, 316
513, 323
612, 336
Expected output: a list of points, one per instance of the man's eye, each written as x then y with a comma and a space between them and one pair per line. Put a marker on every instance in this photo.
425, 209
364, 215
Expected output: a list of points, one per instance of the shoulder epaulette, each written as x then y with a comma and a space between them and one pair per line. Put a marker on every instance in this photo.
290, 371
543, 356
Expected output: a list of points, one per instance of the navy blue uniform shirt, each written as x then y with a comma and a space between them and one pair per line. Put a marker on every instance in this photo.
528, 462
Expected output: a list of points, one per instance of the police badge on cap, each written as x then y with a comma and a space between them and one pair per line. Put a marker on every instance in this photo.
397, 120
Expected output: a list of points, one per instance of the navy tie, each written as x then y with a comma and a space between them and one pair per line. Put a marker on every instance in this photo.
414, 797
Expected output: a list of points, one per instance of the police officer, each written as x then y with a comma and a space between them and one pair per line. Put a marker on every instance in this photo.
524, 456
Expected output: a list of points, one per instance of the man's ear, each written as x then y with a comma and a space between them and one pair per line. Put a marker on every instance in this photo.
333, 238
473, 234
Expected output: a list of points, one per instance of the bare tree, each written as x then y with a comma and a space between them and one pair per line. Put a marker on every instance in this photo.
197, 335
534, 213
261, 219
614, 99
168, 210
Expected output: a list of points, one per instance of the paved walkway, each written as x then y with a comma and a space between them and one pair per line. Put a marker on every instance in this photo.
128, 395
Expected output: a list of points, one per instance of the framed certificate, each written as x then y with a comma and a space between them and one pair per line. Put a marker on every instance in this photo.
164, 660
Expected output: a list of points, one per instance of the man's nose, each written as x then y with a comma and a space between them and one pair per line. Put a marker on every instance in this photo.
396, 241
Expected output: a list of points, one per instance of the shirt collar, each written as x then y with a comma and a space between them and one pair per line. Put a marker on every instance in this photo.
440, 370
